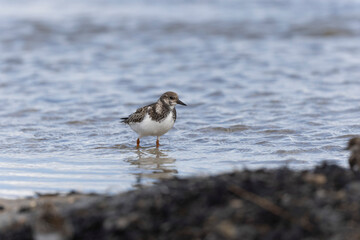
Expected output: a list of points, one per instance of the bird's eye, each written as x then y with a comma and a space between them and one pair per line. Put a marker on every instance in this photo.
172, 98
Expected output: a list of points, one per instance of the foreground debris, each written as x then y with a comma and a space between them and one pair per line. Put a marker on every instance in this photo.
322, 203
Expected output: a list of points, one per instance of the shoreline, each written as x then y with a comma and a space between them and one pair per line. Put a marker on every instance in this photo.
318, 203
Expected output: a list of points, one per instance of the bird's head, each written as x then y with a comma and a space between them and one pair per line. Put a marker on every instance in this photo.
171, 99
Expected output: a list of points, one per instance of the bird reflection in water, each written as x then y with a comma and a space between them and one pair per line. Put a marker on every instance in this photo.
152, 164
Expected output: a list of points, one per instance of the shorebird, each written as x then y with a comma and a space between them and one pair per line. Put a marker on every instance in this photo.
354, 159
155, 119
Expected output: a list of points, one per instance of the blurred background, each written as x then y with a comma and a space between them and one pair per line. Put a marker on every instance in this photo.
268, 83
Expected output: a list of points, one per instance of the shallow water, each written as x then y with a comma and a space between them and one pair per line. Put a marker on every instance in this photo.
267, 83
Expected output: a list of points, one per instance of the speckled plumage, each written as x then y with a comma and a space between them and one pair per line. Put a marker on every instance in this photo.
155, 119
139, 114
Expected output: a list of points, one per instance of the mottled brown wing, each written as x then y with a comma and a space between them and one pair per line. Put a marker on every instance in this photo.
174, 114
137, 116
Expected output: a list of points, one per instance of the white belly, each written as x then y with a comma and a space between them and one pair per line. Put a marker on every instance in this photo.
149, 127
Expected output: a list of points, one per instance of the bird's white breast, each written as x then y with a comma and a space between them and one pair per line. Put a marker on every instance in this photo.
149, 127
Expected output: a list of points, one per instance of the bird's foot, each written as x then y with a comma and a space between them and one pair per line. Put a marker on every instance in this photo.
157, 143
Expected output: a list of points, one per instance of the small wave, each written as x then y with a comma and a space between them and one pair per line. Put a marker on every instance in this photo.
234, 128
78, 122
297, 151
280, 131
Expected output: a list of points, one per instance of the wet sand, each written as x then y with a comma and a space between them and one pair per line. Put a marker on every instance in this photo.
321, 203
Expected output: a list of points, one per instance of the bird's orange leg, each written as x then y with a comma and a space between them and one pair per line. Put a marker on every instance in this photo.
138, 143
157, 143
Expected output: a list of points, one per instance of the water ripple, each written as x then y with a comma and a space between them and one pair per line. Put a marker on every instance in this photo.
267, 84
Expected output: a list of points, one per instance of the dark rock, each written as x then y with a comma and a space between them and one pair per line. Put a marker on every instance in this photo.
24, 209
264, 204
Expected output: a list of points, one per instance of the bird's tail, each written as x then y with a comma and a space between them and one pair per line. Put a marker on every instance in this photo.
124, 120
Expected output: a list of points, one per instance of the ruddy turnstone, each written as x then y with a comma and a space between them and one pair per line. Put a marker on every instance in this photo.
354, 147
155, 119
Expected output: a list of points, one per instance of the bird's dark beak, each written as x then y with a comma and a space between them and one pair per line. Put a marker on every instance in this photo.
347, 148
180, 102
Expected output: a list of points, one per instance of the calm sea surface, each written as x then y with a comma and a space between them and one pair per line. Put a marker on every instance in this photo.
267, 83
